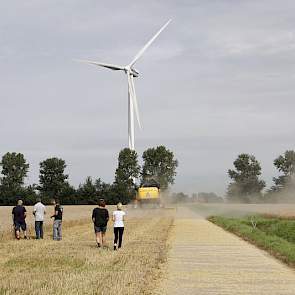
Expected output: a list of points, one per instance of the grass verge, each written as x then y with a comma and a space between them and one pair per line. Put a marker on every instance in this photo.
275, 235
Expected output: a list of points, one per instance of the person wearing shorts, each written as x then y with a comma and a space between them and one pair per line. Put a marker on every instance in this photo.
100, 218
118, 218
19, 219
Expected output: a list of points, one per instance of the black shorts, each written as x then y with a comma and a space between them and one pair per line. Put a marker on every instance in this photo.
20, 225
99, 229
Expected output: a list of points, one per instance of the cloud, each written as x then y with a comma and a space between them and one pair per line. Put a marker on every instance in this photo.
218, 81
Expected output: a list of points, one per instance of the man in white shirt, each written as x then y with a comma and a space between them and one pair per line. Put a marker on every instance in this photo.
39, 212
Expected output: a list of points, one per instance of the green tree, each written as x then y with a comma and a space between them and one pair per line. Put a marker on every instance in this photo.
286, 165
68, 195
284, 185
87, 191
14, 169
246, 185
160, 165
128, 169
103, 189
52, 178
28, 194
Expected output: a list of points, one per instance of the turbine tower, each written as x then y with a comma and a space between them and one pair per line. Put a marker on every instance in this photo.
131, 73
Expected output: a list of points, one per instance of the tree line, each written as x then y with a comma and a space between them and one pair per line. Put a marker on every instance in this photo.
158, 163
246, 185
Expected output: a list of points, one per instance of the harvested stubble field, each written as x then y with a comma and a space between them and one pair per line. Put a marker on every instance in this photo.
76, 266
235, 210
72, 213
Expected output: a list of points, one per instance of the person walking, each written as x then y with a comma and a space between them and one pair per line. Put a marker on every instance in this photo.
57, 223
19, 219
118, 218
100, 218
39, 211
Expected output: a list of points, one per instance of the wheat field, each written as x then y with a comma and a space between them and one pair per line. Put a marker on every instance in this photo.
72, 213
76, 266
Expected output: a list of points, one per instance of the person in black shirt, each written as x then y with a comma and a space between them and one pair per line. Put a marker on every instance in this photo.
57, 223
19, 219
100, 218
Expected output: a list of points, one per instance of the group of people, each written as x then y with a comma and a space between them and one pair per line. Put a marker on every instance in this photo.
100, 219
19, 215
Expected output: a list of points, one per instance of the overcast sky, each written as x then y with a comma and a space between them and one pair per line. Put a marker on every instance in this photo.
219, 81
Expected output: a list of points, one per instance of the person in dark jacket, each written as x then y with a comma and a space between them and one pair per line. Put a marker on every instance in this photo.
100, 218
19, 214
57, 223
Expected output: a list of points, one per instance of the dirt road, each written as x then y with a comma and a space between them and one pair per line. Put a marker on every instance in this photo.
204, 259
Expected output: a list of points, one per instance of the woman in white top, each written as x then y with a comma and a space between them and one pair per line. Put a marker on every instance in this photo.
118, 218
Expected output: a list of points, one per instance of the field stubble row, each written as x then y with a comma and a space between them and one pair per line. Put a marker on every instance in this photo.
76, 266
71, 213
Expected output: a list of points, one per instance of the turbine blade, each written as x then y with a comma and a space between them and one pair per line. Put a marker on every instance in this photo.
135, 104
140, 53
108, 66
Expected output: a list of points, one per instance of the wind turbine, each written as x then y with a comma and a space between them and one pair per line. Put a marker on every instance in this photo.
131, 73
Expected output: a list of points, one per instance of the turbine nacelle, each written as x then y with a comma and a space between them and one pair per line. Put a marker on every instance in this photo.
131, 71
134, 72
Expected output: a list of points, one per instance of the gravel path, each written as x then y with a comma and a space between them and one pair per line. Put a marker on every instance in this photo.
205, 259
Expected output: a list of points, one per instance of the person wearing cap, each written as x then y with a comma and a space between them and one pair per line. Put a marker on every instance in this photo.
100, 218
118, 218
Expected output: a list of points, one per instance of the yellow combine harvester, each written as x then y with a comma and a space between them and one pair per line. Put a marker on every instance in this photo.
149, 193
